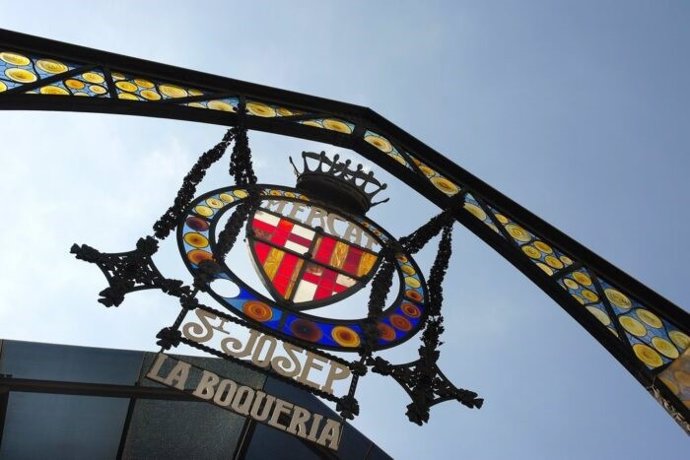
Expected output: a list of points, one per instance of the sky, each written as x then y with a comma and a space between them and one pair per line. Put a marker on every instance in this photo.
579, 111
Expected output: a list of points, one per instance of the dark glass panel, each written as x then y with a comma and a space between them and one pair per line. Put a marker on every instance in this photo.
269, 442
60, 427
184, 430
26, 360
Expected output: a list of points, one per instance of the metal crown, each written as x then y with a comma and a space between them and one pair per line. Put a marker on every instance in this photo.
334, 182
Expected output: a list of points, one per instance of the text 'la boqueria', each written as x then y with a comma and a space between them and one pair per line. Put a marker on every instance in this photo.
247, 401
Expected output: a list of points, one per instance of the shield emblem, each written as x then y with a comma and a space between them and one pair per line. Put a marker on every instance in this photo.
306, 267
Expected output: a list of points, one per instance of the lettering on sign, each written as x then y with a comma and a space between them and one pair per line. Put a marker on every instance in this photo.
269, 353
246, 401
332, 223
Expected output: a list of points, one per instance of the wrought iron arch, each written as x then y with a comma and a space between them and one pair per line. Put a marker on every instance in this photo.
42, 74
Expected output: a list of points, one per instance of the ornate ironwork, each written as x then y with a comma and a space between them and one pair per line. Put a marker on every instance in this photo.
344, 187
600, 297
129, 271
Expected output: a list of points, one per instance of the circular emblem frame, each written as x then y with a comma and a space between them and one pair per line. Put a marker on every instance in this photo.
400, 321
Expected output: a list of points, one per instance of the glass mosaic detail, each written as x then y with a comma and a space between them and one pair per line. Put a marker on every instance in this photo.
475, 208
260, 109
301, 264
89, 84
400, 321
332, 124
18, 69
137, 88
228, 104
384, 145
654, 340
437, 179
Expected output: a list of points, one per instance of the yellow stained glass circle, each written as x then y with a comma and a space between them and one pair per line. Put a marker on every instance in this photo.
502, 219
545, 268
445, 185
647, 355
150, 95
380, 143
427, 171
21, 75
203, 211
633, 326
74, 84
518, 232
531, 251
398, 158
582, 278
196, 256
665, 347
290, 195
226, 197
172, 91
117, 76
260, 110
80, 94
93, 77
240, 193
600, 315
97, 89
649, 318
3, 87
681, 340
570, 283
617, 298
283, 112
408, 269
543, 247
196, 239
220, 105
214, 203
476, 211
337, 125
198, 105
51, 66
589, 295
126, 86
313, 123
553, 262
345, 336
195, 92
54, 91
14, 58
140, 82
125, 96
566, 260
412, 282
